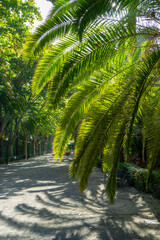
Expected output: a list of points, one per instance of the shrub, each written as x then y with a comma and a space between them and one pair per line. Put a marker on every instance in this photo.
137, 176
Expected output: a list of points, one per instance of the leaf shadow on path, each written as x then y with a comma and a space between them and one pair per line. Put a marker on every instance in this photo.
40, 202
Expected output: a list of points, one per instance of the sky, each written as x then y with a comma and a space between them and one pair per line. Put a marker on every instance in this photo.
45, 8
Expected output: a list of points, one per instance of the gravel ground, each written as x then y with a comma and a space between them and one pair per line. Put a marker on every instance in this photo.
38, 201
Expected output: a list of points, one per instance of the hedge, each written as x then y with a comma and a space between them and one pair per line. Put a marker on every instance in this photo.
137, 176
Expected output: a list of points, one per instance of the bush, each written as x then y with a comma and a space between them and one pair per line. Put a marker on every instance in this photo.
137, 176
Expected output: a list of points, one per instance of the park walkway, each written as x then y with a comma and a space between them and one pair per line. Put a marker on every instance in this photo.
38, 201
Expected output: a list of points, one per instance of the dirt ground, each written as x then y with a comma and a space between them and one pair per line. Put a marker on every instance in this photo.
38, 201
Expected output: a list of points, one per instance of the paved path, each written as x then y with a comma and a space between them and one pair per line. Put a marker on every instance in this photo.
38, 201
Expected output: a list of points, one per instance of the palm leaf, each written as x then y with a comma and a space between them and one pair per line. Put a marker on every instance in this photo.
111, 182
50, 62
93, 132
52, 29
143, 79
86, 58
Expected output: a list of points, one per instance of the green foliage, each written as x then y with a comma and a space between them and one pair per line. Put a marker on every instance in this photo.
18, 108
114, 68
14, 18
137, 178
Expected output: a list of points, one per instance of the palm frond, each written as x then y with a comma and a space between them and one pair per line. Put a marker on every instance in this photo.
151, 115
88, 12
51, 30
153, 145
93, 132
113, 69
87, 57
111, 182
75, 109
50, 62
143, 79
78, 104
61, 6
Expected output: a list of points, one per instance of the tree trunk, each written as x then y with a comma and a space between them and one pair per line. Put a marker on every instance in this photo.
40, 147
1, 148
121, 156
50, 141
45, 144
25, 146
17, 148
1, 133
34, 147
10, 148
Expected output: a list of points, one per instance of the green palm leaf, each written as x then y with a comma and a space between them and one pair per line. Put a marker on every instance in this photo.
55, 27
113, 69
86, 58
49, 63
94, 130
143, 80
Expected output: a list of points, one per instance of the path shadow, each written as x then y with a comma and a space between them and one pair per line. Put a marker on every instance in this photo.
60, 212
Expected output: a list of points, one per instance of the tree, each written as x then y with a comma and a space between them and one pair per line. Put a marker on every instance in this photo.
16, 20
38, 125
114, 66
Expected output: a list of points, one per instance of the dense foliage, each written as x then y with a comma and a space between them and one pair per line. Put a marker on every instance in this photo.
137, 177
109, 52
23, 116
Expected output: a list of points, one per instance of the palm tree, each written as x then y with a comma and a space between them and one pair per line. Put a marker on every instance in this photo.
108, 51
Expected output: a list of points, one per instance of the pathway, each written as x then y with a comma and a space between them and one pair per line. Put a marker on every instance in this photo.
38, 201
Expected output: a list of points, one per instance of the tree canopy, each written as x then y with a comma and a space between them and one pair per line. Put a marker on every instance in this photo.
21, 114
